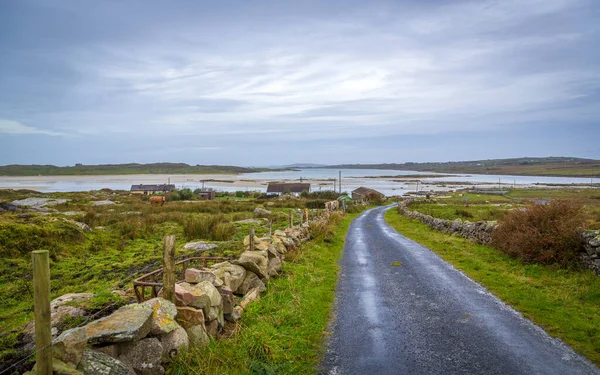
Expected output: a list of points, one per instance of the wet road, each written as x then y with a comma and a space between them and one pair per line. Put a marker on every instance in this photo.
425, 317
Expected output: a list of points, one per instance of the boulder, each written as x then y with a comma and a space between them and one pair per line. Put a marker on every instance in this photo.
144, 356
195, 276
250, 282
235, 315
69, 346
274, 267
197, 336
188, 317
212, 328
200, 246
231, 274
163, 315
254, 261
203, 296
261, 212
58, 316
227, 298
129, 323
250, 297
103, 203
96, 363
58, 368
83, 226
279, 233
173, 343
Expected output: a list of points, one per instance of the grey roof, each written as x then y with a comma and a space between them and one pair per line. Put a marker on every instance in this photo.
364, 190
163, 187
280, 187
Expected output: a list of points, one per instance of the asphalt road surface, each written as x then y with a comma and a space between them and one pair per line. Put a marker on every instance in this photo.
425, 317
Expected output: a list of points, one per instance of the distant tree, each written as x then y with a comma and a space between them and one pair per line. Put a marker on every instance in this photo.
185, 194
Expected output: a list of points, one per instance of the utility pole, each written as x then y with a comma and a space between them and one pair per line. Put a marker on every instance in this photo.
340, 182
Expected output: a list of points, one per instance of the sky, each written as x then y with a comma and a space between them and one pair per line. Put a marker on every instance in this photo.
261, 83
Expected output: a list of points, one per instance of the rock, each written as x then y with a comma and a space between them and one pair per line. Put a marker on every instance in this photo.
212, 328
102, 203
279, 233
188, 317
144, 356
197, 336
231, 274
70, 298
59, 313
96, 363
163, 315
185, 296
274, 267
59, 368
250, 282
129, 323
111, 350
254, 261
38, 203
250, 297
235, 315
201, 296
83, 226
227, 298
174, 342
260, 212
249, 221
272, 252
200, 246
5, 206
69, 346
194, 276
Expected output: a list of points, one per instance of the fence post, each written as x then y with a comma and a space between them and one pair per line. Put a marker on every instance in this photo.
251, 239
41, 288
169, 268
306, 213
291, 219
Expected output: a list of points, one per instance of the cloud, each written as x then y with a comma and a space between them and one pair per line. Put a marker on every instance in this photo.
15, 127
302, 70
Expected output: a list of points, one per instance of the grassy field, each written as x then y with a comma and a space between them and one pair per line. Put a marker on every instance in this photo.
487, 207
126, 242
566, 303
283, 332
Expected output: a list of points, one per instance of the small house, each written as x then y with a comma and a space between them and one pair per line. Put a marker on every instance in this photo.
207, 194
364, 194
151, 189
279, 188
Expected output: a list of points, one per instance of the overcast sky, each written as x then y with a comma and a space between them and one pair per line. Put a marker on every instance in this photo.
275, 82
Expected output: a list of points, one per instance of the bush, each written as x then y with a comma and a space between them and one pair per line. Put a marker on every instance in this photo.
544, 234
185, 194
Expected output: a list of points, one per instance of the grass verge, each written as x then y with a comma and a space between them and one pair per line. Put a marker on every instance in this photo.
566, 303
283, 331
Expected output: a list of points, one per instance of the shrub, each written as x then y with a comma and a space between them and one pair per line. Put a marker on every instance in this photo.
212, 227
185, 194
542, 233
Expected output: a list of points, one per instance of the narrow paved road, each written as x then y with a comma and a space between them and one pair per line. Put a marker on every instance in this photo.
425, 317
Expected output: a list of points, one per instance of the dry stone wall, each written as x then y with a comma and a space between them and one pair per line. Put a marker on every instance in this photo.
481, 232
140, 338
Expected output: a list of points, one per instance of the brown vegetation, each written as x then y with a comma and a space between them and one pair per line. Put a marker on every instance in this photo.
547, 234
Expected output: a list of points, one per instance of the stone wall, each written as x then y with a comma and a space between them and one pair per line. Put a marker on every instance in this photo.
140, 338
481, 232
591, 257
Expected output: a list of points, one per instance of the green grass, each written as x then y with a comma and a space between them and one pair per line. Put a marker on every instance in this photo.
471, 212
566, 303
282, 332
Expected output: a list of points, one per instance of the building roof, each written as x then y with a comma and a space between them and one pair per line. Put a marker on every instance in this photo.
364, 191
279, 187
163, 187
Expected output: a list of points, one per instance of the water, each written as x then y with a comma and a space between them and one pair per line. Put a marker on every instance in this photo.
351, 179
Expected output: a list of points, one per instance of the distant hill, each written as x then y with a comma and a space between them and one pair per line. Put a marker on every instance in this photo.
549, 166
118, 169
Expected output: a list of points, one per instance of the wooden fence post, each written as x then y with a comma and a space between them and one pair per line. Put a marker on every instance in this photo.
169, 268
291, 219
306, 213
41, 288
251, 239
270, 227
